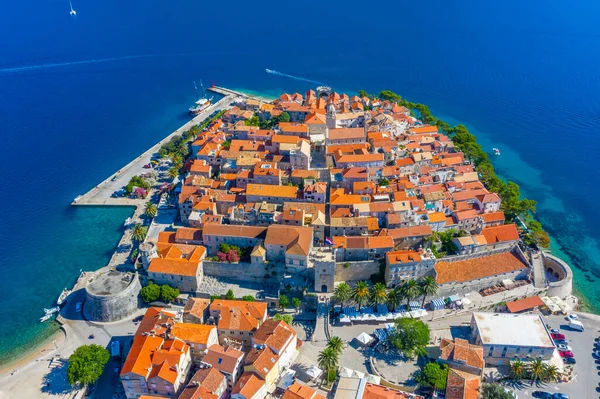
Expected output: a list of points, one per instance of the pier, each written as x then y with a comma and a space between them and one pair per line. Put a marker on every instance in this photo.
101, 194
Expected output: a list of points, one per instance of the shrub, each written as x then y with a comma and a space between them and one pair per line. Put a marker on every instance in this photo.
168, 293
86, 364
150, 293
248, 298
230, 295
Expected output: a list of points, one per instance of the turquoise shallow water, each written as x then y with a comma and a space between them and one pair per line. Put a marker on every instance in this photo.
524, 76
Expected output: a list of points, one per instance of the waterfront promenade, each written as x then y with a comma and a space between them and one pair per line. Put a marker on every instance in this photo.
101, 194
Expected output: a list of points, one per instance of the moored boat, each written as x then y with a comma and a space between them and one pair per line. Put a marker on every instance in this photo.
51, 310
201, 103
45, 317
63, 295
496, 151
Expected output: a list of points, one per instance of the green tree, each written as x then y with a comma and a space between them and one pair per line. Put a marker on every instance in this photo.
428, 287
362, 93
283, 117
283, 317
551, 373
433, 375
360, 293
150, 210
337, 344
384, 182
379, 294
494, 391
411, 336
248, 298
536, 370
517, 369
342, 293
139, 232
328, 359
296, 303
173, 172
284, 302
86, 364
168, 293
253, 121
150, 293
230, 295
410, 290
394, 298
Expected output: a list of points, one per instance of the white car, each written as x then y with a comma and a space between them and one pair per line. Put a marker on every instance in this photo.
573, 317
563, 347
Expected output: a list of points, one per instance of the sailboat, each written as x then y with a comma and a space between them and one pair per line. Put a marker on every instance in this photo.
201, 103
72, 12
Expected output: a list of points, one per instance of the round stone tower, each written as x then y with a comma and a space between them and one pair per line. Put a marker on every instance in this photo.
324, 92
147, 253
111, 296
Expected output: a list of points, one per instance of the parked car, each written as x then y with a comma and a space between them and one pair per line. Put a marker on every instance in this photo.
553, 331
566, 354
561, 342
541, 394
114, 178
572, 316
78, 306
563, 347
557, 336
147, 166
569, 360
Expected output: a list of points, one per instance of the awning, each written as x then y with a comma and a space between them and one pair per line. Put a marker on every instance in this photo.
453, 298
364, 338
314, 372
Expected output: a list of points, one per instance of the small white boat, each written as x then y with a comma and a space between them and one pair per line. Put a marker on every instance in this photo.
45, 317
127, 222
51, 310
496, 151
63, 295
72, 12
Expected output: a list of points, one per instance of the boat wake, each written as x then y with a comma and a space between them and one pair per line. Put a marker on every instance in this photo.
285, 75
94, 61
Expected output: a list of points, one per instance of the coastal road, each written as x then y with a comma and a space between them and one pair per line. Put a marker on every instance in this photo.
100, 195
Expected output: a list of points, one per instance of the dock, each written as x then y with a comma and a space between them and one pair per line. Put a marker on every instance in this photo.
100, 195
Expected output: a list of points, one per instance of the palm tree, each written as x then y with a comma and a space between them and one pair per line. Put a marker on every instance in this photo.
173, 172
536, 369
378, 294
393, 299
517, 369
138, 233
360, 294
427, 286
342, 293
551, 373
150, 210
327, 360
337, 344
410, 290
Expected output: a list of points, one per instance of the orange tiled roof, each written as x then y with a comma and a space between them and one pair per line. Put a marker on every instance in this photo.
192, 333
300, 391
462, 385
224, 359
262, 360
239, 315
269, 190
275, 334
248, 385
403, 257
461, 351
476, 268
373, 391
503, 233
524, 304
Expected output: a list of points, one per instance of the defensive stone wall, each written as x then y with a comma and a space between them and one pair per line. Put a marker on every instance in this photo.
561, 270
111, 296
254, 272
355, 271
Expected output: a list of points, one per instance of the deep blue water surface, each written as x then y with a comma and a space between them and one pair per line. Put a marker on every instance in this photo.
80, 97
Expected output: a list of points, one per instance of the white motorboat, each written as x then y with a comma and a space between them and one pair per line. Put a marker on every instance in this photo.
45, 317
496, 151
63, 295
72, 12
52, 310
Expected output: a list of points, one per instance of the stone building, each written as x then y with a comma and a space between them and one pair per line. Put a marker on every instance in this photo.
111, 296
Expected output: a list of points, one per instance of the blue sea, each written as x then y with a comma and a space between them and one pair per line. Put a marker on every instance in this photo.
81, 96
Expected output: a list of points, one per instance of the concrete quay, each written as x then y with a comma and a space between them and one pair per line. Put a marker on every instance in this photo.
101, 194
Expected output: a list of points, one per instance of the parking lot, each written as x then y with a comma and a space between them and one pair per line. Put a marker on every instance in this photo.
586, 380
